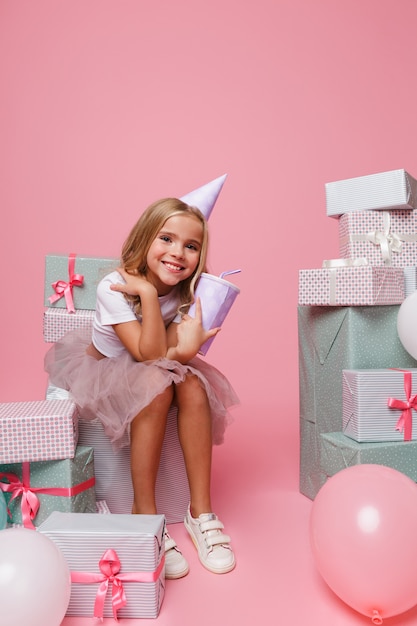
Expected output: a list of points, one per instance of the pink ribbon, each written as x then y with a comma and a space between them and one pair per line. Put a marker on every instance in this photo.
405, 421
63, 288
30, 502
110, 566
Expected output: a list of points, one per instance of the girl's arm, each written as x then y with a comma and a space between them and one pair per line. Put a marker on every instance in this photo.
146, 340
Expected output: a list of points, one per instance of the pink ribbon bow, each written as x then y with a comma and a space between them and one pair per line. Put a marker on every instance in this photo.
405, 421
30, 502
110, 567
63, 288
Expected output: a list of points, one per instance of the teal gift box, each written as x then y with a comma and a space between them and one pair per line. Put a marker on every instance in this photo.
71, 280
332, 339
339, 451
35, 490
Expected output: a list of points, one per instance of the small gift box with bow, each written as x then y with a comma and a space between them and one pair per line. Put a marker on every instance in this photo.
71, 280
395, 189
41, 430
58, 322
350, 282
380, 404
34, 490
382, 237
116, 563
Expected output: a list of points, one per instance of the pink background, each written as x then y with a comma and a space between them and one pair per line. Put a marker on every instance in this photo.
106, 106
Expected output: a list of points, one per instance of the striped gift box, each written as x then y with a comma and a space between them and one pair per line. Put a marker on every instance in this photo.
393, 189
383, 237
113, 475
57, 322
367, 394
132, 545
41, 430
112, 469
351, 286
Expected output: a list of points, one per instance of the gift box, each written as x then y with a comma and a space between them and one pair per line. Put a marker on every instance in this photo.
332, 339
41, 430
351, 286
379, 405
410, 280
395, 189
116, 563
339, 452
34, 490
383, 237
57, 322
71, 280
113, 475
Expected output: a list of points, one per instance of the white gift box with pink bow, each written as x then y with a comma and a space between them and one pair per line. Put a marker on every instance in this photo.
380, 404
116, 563
382, 237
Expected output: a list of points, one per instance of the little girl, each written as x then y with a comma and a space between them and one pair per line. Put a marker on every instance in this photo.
142, 359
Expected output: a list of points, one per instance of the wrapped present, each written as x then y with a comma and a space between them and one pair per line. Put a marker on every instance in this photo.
71, 280
395, 189
380, 405
383, 237
113, 475
410, 280
351, 286
116, 563
34, 490
339, 451
57, 322
332, 339
42, 430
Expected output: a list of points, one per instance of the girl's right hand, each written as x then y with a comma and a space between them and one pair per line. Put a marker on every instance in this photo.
134, 285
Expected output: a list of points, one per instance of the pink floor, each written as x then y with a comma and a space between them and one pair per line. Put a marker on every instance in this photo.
275, 582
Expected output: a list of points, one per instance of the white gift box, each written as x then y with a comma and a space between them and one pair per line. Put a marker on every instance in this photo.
57, 322
395, 189
410, 280
382, 237
364, 285
41, 430
108, 551
375, 404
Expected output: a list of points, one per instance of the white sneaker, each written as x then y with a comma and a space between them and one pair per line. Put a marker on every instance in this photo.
212, 545
175, 564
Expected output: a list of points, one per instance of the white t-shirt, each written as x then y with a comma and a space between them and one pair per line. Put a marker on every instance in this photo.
113, 308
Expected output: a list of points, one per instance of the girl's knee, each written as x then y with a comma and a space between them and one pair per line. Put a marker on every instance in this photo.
191, 390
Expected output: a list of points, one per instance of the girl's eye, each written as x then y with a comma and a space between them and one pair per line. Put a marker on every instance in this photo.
191, 246
165, 238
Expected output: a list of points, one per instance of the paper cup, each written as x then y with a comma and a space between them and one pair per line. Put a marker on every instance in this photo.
217, 296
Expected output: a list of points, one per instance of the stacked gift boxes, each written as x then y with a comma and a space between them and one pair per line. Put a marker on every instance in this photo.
42, 467
69, 298
356, 379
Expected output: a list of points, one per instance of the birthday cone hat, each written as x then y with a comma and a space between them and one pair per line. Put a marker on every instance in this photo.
204, 198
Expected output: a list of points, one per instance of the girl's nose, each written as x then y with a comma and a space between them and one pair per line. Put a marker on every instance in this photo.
178, 251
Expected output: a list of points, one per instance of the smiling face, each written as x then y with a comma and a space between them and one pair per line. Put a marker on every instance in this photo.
175, 252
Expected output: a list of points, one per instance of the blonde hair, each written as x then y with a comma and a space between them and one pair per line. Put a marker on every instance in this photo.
136, 247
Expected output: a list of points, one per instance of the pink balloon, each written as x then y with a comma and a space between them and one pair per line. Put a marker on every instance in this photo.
363, 532
35, 584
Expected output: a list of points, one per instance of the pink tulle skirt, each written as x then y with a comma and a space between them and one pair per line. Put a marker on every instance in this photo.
115, 390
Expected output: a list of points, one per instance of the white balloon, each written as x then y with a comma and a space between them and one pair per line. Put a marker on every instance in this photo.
407, 324
35, 581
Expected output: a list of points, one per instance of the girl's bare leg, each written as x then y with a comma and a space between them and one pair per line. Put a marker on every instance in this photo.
146, 438
194, 431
